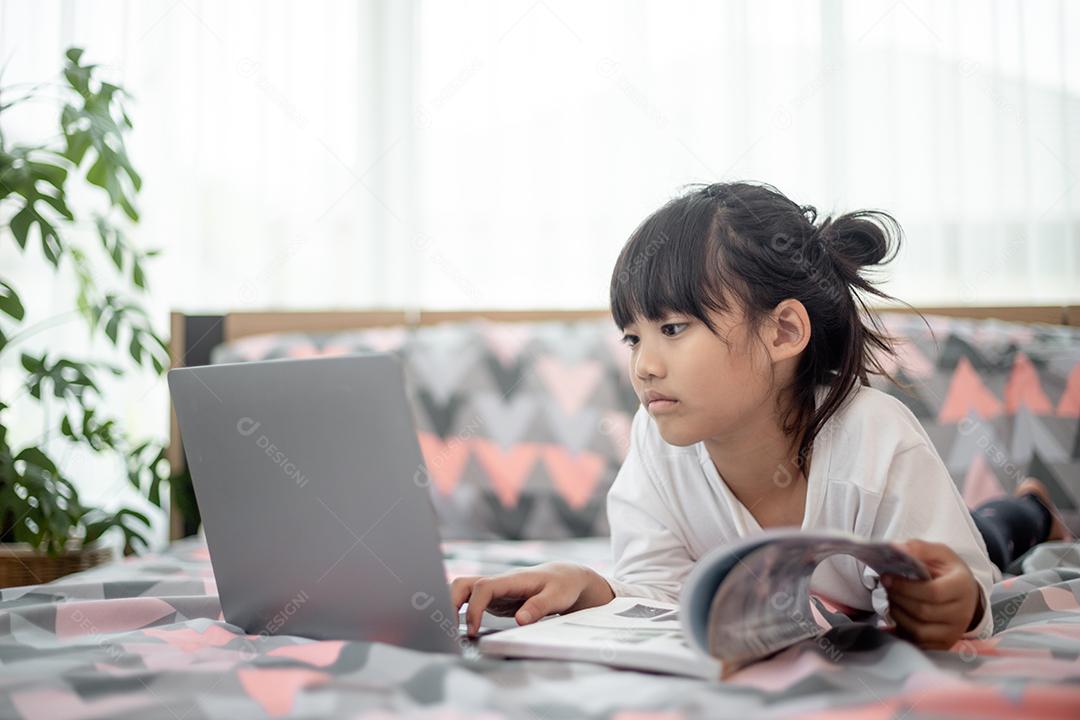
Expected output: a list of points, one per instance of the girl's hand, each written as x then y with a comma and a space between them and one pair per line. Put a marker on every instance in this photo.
934, 613
530, 593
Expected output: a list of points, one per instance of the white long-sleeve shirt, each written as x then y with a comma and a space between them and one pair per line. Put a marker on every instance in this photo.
874, 472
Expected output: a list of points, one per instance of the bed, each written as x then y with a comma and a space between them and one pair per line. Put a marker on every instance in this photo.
144, 637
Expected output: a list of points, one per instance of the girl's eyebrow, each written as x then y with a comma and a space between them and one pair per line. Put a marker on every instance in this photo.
664, 318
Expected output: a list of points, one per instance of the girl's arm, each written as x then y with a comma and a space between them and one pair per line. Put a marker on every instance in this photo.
921, 502
650, 557
937, 612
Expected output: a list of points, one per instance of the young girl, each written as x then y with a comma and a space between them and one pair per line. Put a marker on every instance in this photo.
750, 349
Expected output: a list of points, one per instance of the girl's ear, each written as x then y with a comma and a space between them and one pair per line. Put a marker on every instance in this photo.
791, 330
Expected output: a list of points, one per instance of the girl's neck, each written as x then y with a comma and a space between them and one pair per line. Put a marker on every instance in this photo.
758, 464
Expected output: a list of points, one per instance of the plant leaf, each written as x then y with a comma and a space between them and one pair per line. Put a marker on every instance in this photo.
50, 243
136, 348
37, 458
52, 174
30, 363
10, 304
20, 225
128, 512
96, 529
112, 327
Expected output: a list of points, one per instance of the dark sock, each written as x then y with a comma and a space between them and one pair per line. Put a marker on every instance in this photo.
1011, 526
1044, 513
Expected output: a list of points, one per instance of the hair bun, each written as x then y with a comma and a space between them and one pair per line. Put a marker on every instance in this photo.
861, 238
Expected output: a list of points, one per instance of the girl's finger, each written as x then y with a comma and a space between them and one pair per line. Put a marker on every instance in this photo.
921, 631
540, 605
460, 589
926, 611
505, 606
930, 553
941, 589
486, 588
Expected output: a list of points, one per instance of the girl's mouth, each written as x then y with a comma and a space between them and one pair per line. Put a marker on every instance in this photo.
661, 405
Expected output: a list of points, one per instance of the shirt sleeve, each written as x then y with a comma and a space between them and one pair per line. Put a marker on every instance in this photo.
921, 502
651, 559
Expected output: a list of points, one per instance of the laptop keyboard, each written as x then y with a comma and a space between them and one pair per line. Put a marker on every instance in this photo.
488, 624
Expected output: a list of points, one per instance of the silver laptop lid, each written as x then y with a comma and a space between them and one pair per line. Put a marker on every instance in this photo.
311, 485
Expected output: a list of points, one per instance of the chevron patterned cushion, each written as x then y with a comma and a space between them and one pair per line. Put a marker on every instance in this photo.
523, 426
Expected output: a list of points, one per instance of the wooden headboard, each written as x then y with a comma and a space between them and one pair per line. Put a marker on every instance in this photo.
194, 336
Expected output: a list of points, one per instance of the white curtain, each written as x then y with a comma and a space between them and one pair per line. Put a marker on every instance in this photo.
459, 154
553, 128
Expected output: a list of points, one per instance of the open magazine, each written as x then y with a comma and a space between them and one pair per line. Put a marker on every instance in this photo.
740, 603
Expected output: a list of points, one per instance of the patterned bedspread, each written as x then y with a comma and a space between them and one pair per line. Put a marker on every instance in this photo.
145, 638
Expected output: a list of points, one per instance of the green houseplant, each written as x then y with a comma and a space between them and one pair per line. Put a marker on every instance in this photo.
41, 516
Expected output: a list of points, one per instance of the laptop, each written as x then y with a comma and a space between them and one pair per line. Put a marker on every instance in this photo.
315, 501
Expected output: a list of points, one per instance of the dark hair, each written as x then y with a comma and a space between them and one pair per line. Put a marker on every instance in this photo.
748, 242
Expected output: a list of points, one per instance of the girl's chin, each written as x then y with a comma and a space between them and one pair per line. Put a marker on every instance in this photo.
673, 435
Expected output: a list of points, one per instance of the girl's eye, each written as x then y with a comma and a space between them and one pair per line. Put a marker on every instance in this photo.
631, 340
671, 325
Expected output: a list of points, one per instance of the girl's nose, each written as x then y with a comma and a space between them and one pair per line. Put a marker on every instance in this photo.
647, 364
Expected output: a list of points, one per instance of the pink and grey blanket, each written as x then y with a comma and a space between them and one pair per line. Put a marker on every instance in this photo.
145, 638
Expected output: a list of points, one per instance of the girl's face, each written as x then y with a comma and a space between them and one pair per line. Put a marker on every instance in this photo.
717, 381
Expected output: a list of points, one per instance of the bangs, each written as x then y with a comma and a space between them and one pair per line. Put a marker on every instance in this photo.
671, 263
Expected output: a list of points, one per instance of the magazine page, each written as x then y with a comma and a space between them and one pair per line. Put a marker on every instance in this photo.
762, 604
628, 632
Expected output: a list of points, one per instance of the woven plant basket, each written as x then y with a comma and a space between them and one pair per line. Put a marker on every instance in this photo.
20, 564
